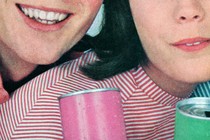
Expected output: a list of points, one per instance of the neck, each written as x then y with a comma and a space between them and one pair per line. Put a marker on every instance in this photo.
173, 87
16, 72
12, 66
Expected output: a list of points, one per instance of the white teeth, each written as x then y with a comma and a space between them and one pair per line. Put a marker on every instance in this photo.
188, 44
51, 15
44, 17
31, 13
36, 14
25, 11
193, 44
62, 16
197, 43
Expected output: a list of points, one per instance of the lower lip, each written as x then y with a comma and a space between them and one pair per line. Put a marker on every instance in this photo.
193, 48
42, 27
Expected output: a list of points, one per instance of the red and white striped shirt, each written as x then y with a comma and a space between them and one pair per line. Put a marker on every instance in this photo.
33, 111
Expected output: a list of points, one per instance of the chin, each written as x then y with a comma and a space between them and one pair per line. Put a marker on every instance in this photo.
47, 61
41, 59
192, 72
195, 79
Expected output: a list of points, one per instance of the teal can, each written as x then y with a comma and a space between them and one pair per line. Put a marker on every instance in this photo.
192, 120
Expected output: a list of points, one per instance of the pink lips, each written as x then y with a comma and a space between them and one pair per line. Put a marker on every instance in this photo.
192, 44
43, 27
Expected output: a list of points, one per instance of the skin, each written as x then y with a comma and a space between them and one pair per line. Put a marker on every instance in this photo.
23, 47
160, 25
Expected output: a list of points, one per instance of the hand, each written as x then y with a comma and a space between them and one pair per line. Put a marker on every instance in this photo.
4, 95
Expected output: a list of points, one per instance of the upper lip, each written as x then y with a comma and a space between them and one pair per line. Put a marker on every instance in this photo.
44, 8
191, 41
44, 15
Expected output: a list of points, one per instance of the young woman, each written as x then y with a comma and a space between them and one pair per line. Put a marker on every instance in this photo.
36, 34
169, 45
155, 52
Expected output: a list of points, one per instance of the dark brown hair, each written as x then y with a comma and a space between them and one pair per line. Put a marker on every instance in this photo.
117, 46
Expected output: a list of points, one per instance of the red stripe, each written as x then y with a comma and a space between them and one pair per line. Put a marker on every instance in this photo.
33, 111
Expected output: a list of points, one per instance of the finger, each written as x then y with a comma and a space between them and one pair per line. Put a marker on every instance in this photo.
4, 95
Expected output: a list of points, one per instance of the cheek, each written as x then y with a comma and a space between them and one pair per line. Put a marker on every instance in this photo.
83, 2
66, 1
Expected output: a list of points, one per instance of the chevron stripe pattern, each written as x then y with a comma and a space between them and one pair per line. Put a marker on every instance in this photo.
33, 111
202, 90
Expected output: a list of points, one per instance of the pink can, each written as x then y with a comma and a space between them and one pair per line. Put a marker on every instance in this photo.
94, 114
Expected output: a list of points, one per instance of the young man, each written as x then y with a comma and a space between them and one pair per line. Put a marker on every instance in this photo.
34, 33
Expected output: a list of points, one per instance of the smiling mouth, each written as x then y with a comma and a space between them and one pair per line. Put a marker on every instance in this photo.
192, 42
42, 16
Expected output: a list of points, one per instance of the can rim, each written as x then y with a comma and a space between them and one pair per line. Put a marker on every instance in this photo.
194, 100
87, 91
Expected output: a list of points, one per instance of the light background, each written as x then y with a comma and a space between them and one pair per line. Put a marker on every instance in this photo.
96, 26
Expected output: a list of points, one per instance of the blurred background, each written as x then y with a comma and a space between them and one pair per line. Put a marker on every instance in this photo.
96, 26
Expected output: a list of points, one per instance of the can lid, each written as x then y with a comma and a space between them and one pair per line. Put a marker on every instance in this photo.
87, 91
197, 107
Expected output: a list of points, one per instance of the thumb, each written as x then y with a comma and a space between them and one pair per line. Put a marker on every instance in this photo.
4, 96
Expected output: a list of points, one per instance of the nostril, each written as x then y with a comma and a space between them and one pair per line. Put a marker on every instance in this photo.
183, 18
196, 17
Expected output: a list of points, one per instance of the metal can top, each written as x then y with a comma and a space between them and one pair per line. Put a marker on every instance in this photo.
87, 91
197, 107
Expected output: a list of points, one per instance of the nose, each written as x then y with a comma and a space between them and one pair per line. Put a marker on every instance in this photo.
189, 11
